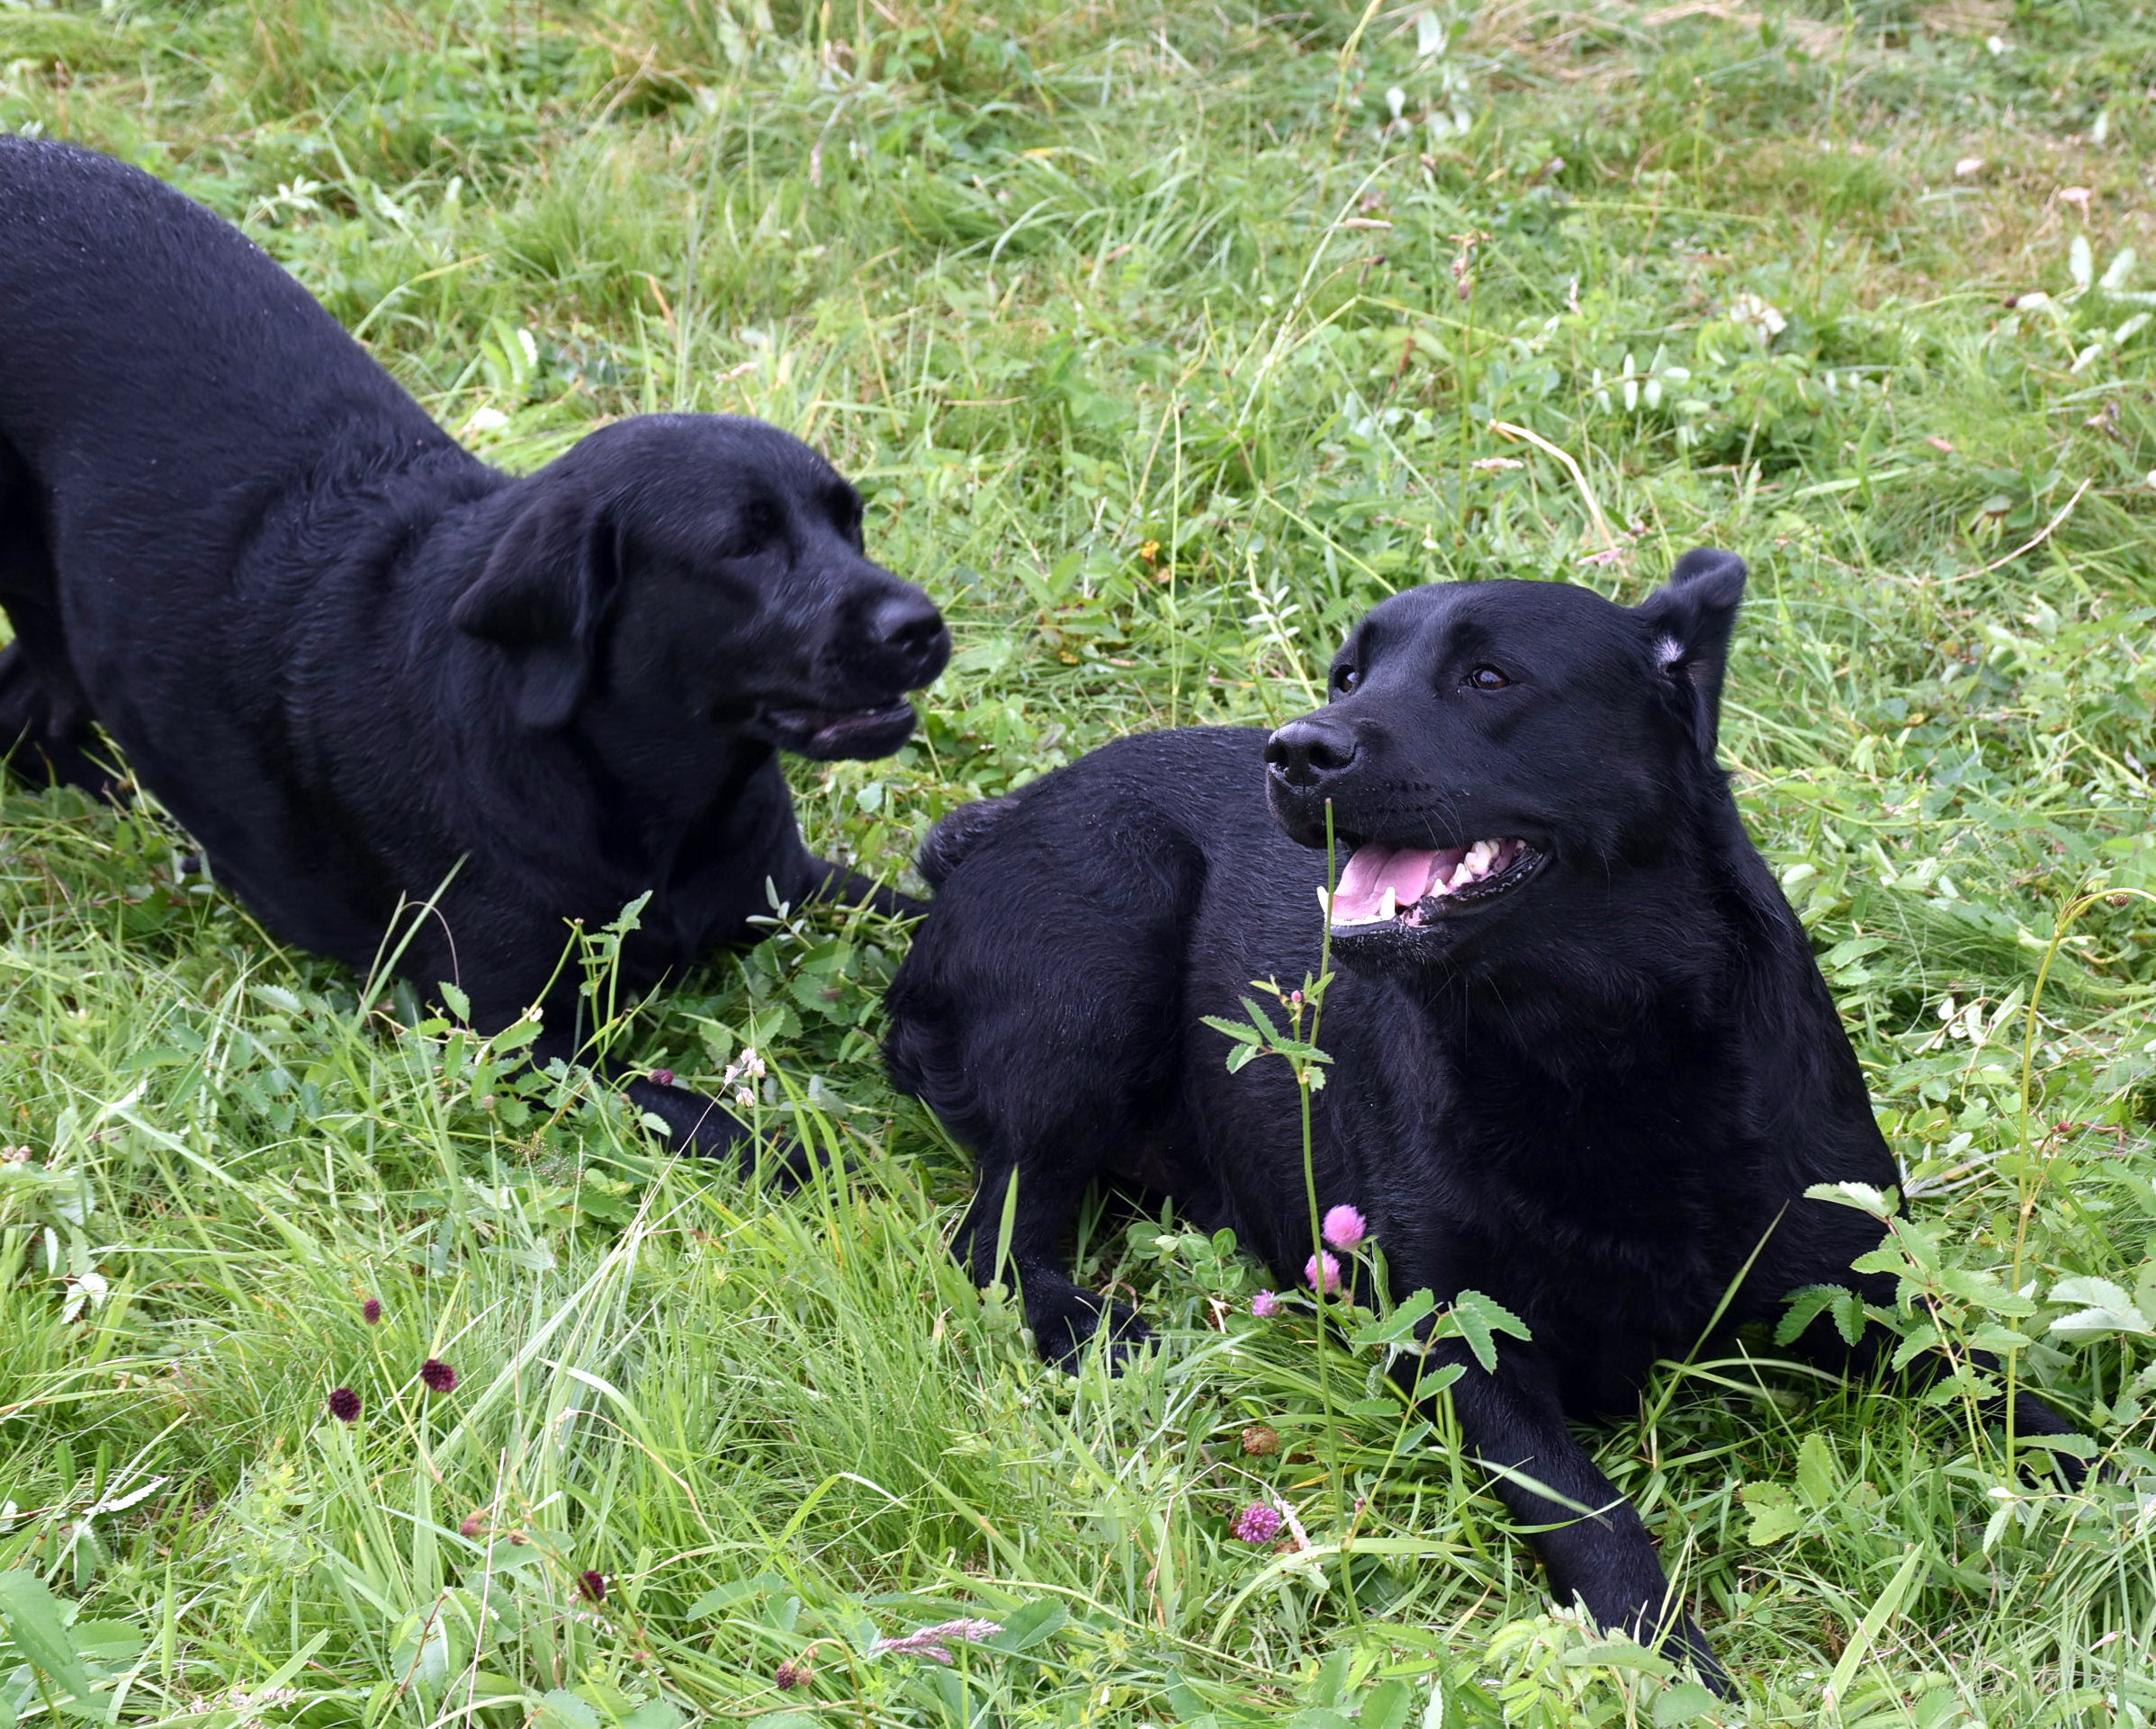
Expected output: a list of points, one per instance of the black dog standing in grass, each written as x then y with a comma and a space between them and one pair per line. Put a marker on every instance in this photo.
1583, 1059
358, 663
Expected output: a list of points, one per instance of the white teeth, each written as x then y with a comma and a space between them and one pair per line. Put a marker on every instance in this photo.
1325, 901
1476, 863
1387, 904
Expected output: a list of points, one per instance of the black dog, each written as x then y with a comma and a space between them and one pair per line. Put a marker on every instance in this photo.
1584, 1060
361, 667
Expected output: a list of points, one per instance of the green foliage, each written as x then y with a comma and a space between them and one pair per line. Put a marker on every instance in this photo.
1162, 344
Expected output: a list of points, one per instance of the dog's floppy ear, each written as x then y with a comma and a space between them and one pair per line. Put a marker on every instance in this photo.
1691, 616
540, 598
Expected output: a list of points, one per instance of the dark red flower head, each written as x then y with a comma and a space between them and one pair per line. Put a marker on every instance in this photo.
344, 1405
593, 1585
370, 1312
664, 1076
789, 1676
437, 1374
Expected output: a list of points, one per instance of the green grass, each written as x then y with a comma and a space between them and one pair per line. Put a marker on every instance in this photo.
1157, 344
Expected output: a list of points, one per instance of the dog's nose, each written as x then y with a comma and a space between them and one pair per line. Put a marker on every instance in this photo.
909, 629
1307, 753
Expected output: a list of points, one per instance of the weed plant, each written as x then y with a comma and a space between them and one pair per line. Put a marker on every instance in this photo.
1164, 341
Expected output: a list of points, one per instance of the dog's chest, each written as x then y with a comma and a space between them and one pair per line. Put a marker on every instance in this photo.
1596, 1219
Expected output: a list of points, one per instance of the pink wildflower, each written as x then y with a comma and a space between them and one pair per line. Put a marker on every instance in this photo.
1332, 1271
1344, 1228
1256, 1523
1265, 1305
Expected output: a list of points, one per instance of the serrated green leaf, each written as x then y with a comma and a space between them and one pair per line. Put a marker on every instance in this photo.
1920, 1339
1682, 1702
1818, 1476
1479, 1318
1774, 1514
1398, 1327
1805, 1306
1386, 1705
1861, 1196
515, 1037
1620, 1653
561, 1709
39, 1630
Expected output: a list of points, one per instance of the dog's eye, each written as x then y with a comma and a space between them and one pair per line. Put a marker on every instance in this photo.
1345, 679
1487, 678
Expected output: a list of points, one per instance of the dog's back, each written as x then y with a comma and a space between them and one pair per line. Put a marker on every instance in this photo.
129, 314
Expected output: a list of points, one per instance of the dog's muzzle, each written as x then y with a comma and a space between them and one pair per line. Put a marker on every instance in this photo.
828, 735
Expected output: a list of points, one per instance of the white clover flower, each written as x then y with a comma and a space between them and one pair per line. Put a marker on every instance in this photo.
1762, 318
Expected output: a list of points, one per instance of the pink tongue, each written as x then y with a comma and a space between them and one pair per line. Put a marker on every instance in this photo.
1371, 870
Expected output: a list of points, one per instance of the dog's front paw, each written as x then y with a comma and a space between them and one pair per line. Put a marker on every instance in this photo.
1685, 1644
697, 1125
1064, 1326
704, 1128
1680, 1639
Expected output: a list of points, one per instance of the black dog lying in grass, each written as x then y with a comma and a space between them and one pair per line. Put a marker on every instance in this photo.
1583, 1059
360, 665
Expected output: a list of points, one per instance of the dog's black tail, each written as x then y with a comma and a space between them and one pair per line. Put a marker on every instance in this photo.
955, 836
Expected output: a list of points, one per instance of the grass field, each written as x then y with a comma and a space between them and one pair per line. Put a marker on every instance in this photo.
1163, 344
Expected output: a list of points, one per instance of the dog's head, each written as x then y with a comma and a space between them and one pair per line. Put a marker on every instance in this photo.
1490, 748
708, 570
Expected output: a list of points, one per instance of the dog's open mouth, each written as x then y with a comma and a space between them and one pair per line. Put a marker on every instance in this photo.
825, 735
1410, 885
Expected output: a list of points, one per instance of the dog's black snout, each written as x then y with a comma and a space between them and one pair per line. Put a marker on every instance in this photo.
909, 629
1304, 753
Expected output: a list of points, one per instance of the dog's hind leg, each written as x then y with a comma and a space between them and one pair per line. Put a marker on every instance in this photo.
1039, 1016
1021, 1212
47, 739
47, 734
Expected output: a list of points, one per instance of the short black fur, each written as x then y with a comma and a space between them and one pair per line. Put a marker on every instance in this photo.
365, 668
1593, 1085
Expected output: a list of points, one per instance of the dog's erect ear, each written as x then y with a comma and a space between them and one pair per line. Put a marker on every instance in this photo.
1692, 615
540, 598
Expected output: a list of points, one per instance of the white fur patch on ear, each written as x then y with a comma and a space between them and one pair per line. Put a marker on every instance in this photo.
1669, 652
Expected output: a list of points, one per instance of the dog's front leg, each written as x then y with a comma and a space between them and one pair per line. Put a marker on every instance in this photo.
845, 888
696, 1125
702, 1128
1591, 1540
